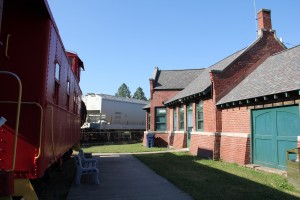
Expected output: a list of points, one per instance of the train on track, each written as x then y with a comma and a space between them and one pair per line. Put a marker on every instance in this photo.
113, 113
113, 119
40, 98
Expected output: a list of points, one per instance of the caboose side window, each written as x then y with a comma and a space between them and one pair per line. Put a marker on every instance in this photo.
75, 103
57, 72
68, 95
56, 82
68, 87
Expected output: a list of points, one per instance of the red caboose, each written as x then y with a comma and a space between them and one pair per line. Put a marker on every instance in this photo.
40, 94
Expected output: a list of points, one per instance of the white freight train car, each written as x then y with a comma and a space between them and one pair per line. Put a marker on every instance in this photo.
107, 112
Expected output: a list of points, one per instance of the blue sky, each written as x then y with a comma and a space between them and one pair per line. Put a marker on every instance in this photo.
121, 41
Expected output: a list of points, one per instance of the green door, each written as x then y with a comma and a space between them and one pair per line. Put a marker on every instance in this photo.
189, 125
274, 130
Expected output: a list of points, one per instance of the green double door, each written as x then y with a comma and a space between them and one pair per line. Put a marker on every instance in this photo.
275, 131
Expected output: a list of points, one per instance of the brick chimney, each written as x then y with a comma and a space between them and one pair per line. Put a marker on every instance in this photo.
152, 80
151, 88
264, 19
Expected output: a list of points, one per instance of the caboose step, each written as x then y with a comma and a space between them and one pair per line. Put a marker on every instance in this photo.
23, 188
6, 198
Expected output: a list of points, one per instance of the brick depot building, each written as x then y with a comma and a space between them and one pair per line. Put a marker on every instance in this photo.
243, 109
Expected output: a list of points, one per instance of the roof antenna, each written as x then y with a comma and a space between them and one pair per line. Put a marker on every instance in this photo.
255, 17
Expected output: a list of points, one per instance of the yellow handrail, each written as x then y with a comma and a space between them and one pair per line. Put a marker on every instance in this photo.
41, 120
17, 117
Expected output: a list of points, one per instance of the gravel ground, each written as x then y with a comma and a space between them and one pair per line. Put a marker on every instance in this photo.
57, 185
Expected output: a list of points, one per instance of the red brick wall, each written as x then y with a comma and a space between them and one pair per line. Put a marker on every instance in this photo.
179, 140
236, 120
147, 122
209, 114
205, 145
195, 141
144, 139
161, 140
168, 119
235, 149
171, 120
171, 140
157, 100
234, 73
264, 19
228, 148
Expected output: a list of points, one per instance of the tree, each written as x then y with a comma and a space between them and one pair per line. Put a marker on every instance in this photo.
123, 91
139, 94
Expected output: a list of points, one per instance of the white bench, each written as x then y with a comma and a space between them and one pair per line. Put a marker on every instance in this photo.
87, 161
86, 167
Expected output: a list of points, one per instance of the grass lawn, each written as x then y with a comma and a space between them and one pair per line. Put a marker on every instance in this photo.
207, 179
121, 148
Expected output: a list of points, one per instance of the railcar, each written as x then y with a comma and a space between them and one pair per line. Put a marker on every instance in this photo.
40, 98
113, 111
112, 119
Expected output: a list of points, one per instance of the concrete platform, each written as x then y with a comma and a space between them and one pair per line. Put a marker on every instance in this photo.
267, 169
123, 177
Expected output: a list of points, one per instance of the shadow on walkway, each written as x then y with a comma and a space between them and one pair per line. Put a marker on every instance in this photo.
125, 177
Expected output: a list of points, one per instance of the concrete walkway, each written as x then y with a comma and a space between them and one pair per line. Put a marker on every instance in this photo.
123, 177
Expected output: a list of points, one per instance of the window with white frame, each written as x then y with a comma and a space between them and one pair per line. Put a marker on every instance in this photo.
160, 119
200, 119
181, 118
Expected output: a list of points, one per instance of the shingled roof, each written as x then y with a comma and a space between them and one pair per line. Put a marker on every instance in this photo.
147, 106
203, 82
279, 73
174, 79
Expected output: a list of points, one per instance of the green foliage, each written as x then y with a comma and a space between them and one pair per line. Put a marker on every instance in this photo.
121, 148
139, 94
123, 91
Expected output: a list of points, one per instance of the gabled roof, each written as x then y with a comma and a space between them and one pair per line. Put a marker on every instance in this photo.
279, 73
203, 82
175, 79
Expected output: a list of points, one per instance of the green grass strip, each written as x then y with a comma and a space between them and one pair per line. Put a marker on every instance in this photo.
207, 179
121, 148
